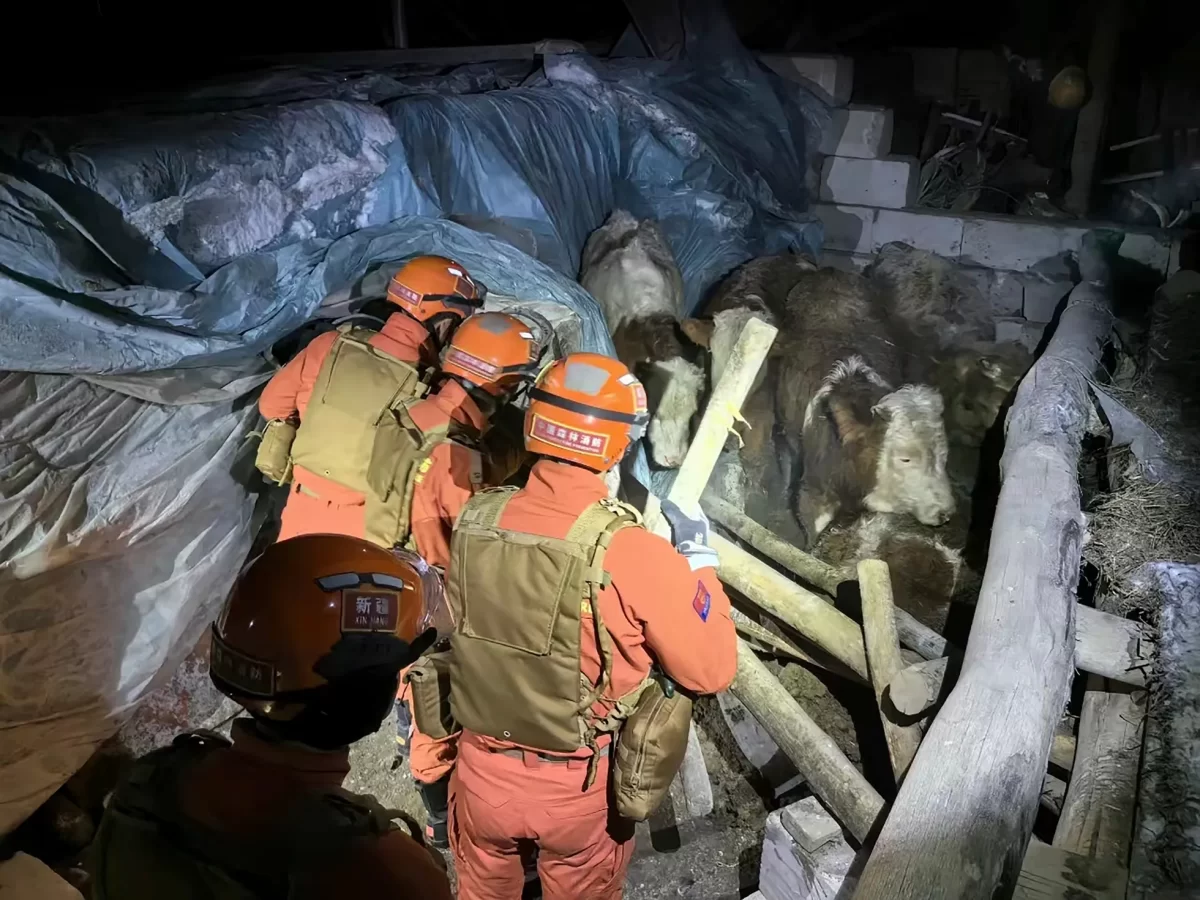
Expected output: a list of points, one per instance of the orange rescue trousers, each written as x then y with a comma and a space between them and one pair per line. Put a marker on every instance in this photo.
501, 803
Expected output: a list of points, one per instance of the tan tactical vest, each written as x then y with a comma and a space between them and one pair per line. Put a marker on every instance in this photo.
518, 600
357, 388
148, 848
400, 457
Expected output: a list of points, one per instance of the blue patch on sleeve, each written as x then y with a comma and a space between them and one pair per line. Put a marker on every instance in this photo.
702, 602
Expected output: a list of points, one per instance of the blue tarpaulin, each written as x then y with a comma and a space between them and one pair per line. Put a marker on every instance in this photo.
149, 259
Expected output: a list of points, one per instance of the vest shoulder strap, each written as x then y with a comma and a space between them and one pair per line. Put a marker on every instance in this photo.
485, 508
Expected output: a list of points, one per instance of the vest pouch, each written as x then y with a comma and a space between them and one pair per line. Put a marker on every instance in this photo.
429, 679
650, 750
393, 454
274, 458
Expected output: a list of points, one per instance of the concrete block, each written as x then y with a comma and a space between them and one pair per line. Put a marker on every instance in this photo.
810, 826
833, 76
939, 233
1002, 242
789, 872
1004, 290
864, 132
1015, 244
889, 183
1028, 333
1042, 296
847, 228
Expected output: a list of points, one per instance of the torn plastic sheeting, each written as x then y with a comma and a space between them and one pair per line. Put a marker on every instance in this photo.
122, 526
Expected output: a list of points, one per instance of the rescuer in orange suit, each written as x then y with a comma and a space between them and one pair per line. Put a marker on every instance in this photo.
310, 643
434, 295
489, 356
662, 604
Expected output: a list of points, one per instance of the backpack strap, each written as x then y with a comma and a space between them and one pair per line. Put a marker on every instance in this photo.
598, 525
485, 508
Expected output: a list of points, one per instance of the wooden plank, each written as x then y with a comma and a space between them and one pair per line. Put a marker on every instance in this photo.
1089, 128
1097, 815
817, 757
883, 658
961, 821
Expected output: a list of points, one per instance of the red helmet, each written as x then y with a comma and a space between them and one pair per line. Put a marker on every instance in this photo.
493, 351
586, 409
429, 288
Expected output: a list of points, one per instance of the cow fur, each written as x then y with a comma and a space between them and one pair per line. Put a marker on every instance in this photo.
977, 381
932, 304
865, 440
628, 267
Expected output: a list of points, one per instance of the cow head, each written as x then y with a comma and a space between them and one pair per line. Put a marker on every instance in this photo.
907, 439
977, 382
652, 349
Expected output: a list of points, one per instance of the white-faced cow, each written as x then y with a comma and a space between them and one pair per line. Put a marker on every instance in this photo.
630, 270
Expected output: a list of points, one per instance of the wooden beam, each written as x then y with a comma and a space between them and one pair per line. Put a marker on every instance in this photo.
883, 658
1097, 815
800, 609
1051, 873
816, 572
1111, 646
816, 756
961, 821
1089, 128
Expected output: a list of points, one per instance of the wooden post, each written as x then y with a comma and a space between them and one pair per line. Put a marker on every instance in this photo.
832, 777
1089, 128
883, 657
772, 642
961, 821
1097, 815
751, 349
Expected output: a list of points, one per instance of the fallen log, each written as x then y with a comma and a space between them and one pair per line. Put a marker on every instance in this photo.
961, 821
726, 401
883, 658
819, 574
798, 608
1097, 814
828, 772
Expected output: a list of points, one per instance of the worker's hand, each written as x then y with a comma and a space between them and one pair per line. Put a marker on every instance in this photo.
691, 536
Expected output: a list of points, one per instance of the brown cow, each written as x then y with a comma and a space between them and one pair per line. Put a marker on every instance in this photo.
866, 441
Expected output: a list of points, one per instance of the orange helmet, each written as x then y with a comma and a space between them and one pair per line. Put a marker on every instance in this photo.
493, 351
316, 630
586, 409
431, 287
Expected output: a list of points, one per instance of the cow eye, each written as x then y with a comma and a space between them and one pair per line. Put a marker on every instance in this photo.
905, 459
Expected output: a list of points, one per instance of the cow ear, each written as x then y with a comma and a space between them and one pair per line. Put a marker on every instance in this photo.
990, 369
698, 331
849, 427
